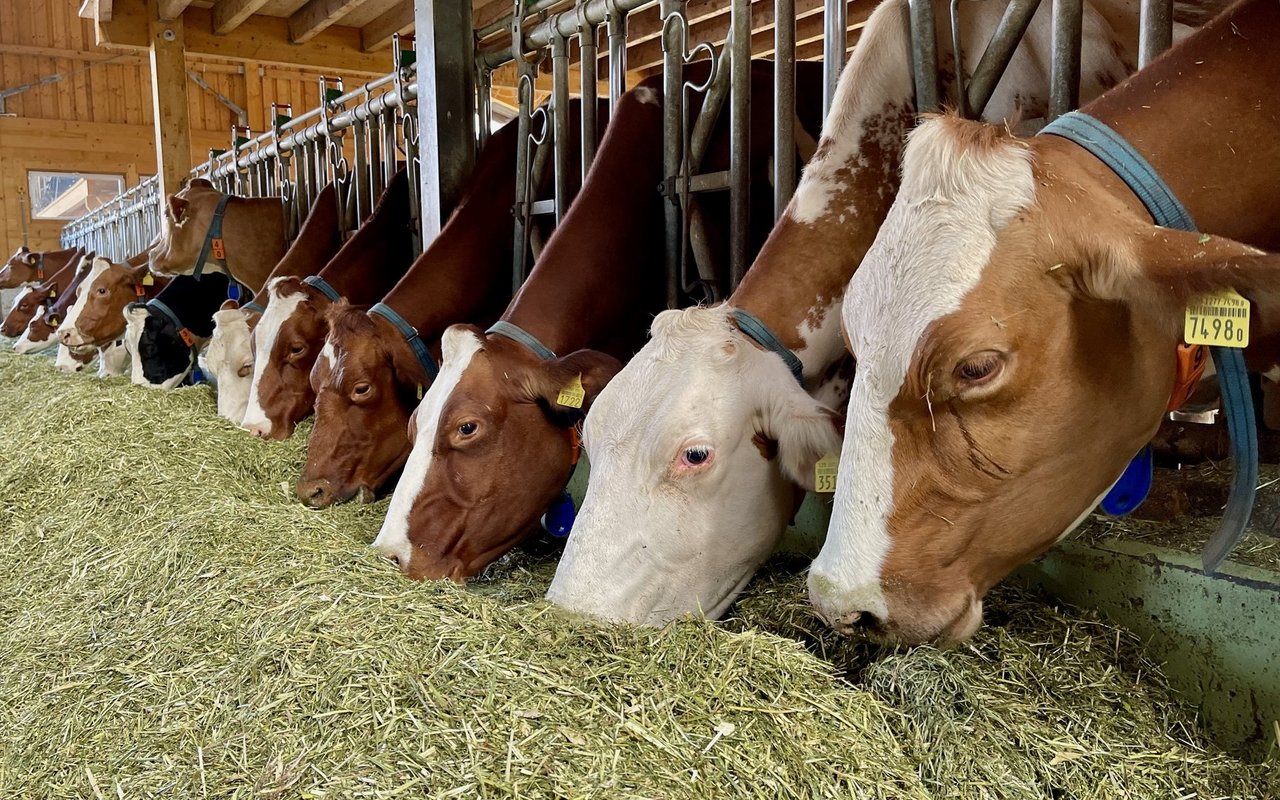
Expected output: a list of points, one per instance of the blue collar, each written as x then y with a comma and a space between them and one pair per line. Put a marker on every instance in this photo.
411, 336
323, 287
1233, 379
251, 306
213, 239
518, 334
757, 331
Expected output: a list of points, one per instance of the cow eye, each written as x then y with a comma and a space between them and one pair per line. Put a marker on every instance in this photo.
362, 389
696, 456
102, 290
297, 349
468, 428
980, 368
245, 370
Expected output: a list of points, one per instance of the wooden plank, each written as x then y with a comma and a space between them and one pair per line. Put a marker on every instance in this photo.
171, 9
72, 53
253, 102
377, 34
169, 99
231, 14
316, 15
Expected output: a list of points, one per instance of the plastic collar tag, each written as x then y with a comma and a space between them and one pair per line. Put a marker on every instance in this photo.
824, 474
139, 291
219, 249
148, 279
1132, 488
420, 391
558, 521
1220, 319
1191, 360
573, 394
187, 338
197, 376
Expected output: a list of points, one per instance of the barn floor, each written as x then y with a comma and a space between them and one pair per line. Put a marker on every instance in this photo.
173, 623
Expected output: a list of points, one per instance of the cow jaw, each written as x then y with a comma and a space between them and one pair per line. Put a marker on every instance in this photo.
28, 343
224, 361
281, 307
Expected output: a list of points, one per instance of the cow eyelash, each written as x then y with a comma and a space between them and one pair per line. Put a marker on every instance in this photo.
980, 368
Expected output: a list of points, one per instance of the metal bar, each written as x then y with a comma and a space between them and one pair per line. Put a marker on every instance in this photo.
1064, 81
446, 106
565, 24
524, 92
1155, 33
617, 22
784, 102
673, 43
560, 121
588, 89
924, 56
835, 24
1004, 40
710, 182
740, 142
484, 100
542, 207
530, 9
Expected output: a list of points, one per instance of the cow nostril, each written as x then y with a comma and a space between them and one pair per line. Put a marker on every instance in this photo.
855, 621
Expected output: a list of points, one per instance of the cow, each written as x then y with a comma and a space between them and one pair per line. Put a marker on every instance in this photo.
252, 235
27, 268
32, 300
228, 358
491, 426
40, 333
292, 329
1016, 325
696, 446
375, 364
164, 333
96, 319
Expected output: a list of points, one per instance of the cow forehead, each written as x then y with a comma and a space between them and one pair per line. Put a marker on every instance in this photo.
956, 197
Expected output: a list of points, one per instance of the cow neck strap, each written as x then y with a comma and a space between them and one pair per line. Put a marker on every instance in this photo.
183, 331
411, 336
322, 286
518, 334
254, 306
1128, 164
213, 239
757, 331
40, 266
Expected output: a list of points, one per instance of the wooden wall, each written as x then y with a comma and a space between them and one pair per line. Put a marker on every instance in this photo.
99, 117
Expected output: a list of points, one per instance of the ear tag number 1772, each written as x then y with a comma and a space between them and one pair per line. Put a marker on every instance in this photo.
1220, 319
824, 474
572, 394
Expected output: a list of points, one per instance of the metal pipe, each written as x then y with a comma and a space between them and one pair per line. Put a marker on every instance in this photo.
484, 103
564, 24
1155, 32
1004, 40
1064, 81
740, 142
588, 90
505, 22
924, 56
784, 102
560, 121
674, 31
617, 22
524, 94
835, 36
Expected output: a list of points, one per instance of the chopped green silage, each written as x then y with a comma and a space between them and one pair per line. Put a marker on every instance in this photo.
173, 623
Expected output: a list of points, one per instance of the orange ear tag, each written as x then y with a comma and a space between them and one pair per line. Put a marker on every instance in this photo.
1191, 361
575, 445
187, 338
138, 290
219, 249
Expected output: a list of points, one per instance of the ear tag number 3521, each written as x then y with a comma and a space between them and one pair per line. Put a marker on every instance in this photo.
824, 474
1220, 319
572, 394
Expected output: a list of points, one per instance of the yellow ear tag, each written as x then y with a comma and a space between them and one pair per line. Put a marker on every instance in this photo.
419, 391
1220, 319
148, 279
53, 293
824, 474
572, 394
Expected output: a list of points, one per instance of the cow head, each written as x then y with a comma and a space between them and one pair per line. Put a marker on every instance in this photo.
113, 359
692, 446
29, 301
286, 342
20, 269
228, 359
1015, 325
74, 359
366, 381
163, 357
97, 316
492, 448
184, 225
39, 335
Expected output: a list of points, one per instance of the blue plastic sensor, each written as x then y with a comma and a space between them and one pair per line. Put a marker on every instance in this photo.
233, 291
197, 377
558, 520
1132, 488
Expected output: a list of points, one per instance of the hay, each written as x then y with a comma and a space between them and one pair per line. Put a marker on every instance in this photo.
173, 623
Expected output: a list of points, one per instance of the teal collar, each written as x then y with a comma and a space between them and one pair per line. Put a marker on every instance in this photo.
411, 336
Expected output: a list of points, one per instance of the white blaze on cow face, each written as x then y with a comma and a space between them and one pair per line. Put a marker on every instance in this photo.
17, 298
134, 320
279, 308
67, 332
690, 446
228, 361
65, 361
929, 254
458, 347
27, 345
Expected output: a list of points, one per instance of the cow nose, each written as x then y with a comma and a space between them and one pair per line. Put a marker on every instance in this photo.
853, 621
315, 493
259, 430
65, 337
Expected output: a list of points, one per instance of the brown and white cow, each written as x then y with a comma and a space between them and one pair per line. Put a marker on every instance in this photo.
228, 358
40, 334
291, 332
493, 447
695, 444
32, 300
367, 379
27, 268
1015, 326
96, 319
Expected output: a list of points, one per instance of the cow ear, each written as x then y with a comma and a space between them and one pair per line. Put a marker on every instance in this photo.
1169, 268
31, 259
229, 305
556, 382
177, 208
202, 183
804, 430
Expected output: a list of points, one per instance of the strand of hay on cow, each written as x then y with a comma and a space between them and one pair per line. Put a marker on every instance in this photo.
173, 623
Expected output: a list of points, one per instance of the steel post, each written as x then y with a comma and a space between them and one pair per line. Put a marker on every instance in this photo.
1064, 82
674, 30
784, 102
617, 22
560, 121
740, 142
1155, 34
924, 56
588, 90
1004, 40
835, 17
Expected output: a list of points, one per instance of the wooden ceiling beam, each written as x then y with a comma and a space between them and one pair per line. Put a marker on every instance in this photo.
231, 14
377, 34
317, 15
170, 9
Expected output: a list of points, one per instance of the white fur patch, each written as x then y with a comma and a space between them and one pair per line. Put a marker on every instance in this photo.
27, 345
644, 94
928, 256
279, 308
65, 361
113, 360
458, 347
134, 319
227, 352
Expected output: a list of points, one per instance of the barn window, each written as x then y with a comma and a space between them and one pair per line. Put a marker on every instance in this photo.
67, 195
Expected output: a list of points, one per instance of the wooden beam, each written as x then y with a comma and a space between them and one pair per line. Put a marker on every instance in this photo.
170, 9
169, 100
377, 34
317, 15
230, 14
253, 104
70, 54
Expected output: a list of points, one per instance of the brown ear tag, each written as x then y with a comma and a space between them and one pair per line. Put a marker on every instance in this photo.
824, 474
219, 249
148, 279
572, 395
